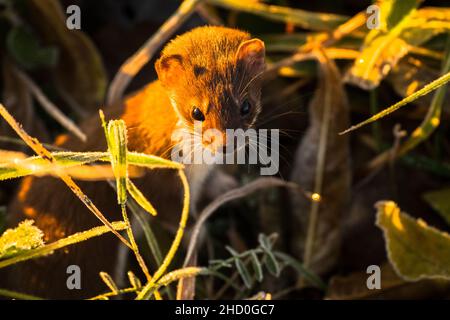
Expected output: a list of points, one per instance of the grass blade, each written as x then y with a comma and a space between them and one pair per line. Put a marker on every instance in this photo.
140, 198
424, 91
432, 119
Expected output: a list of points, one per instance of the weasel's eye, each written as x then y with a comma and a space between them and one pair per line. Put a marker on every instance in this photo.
197, 114
245, 108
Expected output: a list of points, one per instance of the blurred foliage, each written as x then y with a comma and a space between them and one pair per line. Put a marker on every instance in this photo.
27, 52
37, 38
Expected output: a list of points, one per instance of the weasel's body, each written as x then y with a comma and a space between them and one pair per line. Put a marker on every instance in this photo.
211, 69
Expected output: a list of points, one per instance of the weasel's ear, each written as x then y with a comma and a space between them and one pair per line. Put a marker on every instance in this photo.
252, 53
169, 69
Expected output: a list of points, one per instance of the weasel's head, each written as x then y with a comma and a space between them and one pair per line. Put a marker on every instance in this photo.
212, 76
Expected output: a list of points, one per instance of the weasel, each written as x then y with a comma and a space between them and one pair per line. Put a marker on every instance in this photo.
210, 75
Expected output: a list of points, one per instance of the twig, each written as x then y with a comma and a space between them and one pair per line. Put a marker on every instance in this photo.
133, 64
50, 107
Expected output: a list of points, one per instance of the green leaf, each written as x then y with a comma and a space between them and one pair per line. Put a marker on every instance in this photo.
140, 198
241, 268
243, 271
264, 242
151, 162
271, 263
394, 11
23, 238
416, 251
257, 266
25, 49
440, 201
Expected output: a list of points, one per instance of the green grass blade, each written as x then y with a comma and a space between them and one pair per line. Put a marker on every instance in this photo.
432, 119
151, 162
424, 91
140, 198
39, 166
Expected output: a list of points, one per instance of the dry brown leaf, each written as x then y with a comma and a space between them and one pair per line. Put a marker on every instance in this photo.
336, 172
